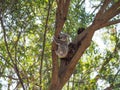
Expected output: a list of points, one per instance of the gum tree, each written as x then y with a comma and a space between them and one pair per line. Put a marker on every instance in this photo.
103, 18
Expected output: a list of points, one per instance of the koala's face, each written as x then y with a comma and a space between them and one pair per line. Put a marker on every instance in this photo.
63, 37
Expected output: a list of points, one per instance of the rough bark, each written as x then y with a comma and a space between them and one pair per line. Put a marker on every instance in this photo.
102, 19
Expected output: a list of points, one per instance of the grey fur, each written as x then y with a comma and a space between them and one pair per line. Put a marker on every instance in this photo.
62, 43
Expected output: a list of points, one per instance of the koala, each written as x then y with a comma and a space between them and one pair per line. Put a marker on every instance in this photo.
62, 42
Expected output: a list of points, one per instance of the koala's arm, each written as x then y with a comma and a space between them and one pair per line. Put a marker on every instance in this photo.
58, 41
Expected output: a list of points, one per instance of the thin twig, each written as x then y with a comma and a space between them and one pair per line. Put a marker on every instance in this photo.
44, 42
18, 74
95, 9
111, 23
5, 39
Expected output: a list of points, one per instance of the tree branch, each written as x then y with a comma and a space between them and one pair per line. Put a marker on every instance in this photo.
9, 76
103, 7
19, 77
9, 54
7, 62
103, 19
5, 39
112, 85
112, 11
104, 16
95, 9
44, 42
111, 23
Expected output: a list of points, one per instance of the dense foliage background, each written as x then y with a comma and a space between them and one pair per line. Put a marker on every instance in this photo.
26, 32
